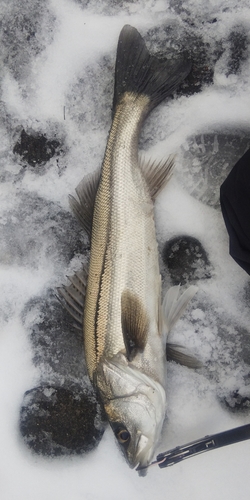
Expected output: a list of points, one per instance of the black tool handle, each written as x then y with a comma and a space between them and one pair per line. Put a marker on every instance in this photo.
232, 436
207, 443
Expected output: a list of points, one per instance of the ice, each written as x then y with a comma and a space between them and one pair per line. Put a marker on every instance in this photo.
57, 80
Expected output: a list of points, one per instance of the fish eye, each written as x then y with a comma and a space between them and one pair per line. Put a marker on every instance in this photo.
123, 436
121, 433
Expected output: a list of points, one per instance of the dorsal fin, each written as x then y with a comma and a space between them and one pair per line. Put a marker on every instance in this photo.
73, 296
135, 323
157, 173
86, 192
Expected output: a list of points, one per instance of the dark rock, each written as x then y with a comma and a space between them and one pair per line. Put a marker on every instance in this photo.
206, 160
238, 40
56, 421
237, 402
36, 228
36, 149
186, 259
55, 342
27, 28
107, 7
90, 106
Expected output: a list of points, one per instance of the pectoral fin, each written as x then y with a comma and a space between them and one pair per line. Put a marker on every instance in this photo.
73, 296
135, 323
86, 192
157, 174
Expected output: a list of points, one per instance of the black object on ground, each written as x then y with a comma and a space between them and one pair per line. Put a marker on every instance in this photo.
35, 148
186, 259
235, 205
237, 402
56, 421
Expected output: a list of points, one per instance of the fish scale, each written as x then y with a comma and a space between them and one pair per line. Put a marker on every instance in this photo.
121, 219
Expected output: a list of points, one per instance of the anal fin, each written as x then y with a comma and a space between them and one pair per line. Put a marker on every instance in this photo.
135, 323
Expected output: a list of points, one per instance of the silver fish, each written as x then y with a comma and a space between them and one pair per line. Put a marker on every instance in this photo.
123, 319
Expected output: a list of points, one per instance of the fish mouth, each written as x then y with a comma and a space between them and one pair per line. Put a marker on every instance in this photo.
144, 455
142, 468
142, 471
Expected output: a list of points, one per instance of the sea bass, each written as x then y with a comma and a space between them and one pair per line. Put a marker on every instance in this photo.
123, 323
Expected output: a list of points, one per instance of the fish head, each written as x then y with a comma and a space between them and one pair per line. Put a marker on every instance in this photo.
135, 405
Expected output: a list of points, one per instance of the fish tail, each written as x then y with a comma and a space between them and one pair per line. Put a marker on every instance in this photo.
140, 73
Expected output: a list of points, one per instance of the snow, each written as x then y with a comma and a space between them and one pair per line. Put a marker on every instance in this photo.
57, 80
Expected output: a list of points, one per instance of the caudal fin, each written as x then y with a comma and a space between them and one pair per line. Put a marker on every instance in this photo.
139, 72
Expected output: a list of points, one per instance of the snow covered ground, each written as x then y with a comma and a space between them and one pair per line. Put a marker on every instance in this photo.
56, 87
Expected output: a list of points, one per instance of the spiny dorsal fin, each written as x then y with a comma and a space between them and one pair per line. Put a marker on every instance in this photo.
86, 192
157, 173
73, 295
175, 353
134, 324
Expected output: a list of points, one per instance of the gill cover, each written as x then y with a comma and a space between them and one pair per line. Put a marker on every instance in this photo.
135, 405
